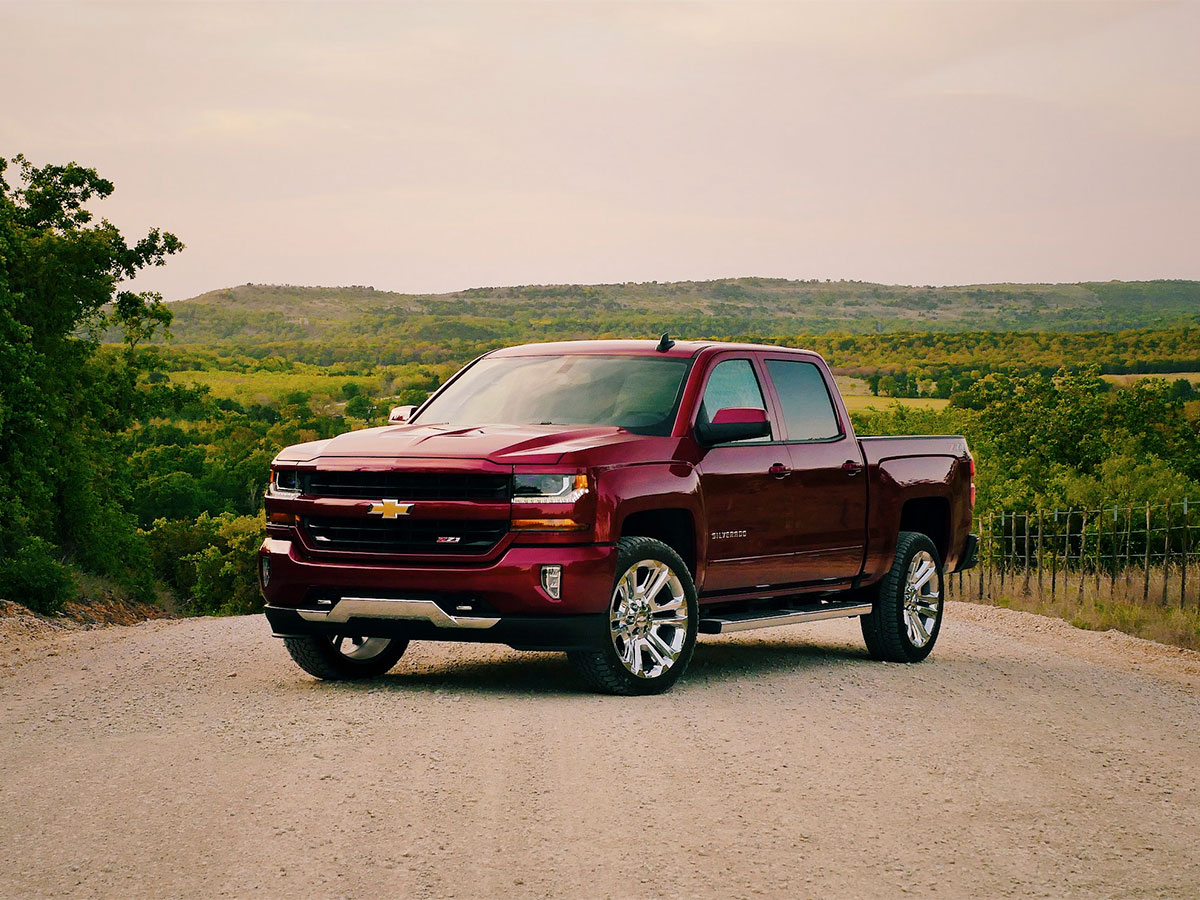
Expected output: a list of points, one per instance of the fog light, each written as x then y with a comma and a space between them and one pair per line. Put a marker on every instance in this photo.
264, 570
552, 581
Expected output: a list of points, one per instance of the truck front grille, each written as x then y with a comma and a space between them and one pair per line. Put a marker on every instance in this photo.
480, 486
415, 536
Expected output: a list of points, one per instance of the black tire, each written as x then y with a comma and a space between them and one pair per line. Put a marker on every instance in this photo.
319, 657
603, 669
886, 629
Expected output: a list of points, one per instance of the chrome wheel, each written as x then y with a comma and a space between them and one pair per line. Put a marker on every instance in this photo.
358, 648
648, 618
922, 599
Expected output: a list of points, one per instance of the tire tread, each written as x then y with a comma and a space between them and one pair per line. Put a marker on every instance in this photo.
600, 669
314, 654
882, 629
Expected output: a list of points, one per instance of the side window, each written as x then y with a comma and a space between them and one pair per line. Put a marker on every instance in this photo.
732, 383
807, 409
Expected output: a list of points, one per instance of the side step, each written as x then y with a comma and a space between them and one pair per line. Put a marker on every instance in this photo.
744, 621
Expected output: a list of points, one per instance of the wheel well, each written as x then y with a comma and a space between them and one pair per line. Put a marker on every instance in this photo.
674, 527
931, 517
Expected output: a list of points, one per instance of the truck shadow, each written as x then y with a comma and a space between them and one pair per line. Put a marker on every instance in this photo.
752, 658
549, 674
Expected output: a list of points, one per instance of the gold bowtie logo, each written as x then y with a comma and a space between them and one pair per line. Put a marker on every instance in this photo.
390, 509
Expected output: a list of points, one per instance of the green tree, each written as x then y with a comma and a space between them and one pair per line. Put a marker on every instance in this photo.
63, 404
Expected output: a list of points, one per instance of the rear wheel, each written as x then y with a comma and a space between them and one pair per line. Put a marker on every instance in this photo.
651, 623
344, 657
907, 617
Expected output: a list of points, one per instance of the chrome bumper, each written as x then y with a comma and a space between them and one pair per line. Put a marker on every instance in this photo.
349, 608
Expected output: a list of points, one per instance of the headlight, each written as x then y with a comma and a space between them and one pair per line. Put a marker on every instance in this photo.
285, 481
549, 488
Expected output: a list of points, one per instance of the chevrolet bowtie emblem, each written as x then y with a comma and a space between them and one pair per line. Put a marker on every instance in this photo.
390, 509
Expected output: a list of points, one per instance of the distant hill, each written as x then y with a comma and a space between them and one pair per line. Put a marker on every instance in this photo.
281, 314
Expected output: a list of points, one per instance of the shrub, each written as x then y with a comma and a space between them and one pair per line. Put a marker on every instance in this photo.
34, 578
212, 561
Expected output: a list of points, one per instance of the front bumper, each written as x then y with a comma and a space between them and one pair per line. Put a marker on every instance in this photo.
408, 622
507, 586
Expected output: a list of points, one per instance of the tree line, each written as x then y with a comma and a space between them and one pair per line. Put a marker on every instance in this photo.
112, 463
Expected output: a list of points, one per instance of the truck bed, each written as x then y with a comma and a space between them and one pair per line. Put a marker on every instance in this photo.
885, 447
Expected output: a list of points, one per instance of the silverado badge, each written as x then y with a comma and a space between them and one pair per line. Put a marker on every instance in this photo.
390, 509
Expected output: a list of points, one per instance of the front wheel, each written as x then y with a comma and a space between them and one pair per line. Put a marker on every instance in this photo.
344, 657
907, 617
651, 624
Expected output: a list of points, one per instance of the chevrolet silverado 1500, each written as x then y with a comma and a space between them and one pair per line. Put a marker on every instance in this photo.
613, 499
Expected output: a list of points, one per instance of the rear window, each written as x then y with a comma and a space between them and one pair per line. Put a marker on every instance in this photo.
807, 407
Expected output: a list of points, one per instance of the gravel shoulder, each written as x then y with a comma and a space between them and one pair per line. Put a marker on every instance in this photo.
191, 759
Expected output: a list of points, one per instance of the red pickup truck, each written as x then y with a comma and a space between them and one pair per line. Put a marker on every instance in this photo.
612, 499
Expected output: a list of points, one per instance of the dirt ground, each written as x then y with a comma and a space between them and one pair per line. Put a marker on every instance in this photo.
191, 759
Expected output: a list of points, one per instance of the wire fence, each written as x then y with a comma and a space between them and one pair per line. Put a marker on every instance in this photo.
1145, 554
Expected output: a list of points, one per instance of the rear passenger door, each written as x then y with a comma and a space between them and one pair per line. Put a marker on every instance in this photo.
830, 484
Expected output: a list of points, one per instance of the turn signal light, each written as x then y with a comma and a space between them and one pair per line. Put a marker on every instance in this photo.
548, 525
281, 518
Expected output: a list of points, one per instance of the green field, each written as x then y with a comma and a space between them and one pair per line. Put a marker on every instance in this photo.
858, 402
1127, 380
268, 387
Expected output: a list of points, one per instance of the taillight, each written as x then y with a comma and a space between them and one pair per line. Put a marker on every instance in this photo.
971, 460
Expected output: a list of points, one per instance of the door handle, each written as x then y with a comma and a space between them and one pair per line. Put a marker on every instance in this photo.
779, 470
852, 467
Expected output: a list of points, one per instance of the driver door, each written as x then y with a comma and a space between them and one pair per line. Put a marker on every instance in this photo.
743, 485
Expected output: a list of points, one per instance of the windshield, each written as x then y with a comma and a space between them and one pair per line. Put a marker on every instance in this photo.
638, 393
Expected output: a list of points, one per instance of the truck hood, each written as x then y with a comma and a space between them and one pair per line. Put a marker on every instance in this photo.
505, 444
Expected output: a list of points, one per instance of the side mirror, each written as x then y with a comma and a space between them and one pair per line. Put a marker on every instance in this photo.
734, 423
400, 414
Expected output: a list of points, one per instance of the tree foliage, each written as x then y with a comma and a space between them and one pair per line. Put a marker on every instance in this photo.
63, 405
1064, 440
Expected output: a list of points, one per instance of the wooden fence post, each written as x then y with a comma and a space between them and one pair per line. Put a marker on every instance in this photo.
1054, 558
1082, 555
1187, 542
1039, 556
1116, 549
1025, 518
982, 563
1146, 582
991, 559
1128, 548
1166, 551
1003, 549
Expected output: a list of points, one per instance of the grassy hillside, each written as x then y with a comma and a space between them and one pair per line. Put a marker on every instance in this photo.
283, 313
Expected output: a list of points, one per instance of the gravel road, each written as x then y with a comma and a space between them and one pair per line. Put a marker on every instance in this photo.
191, 759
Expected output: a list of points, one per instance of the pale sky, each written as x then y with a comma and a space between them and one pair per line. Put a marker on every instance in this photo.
444, 145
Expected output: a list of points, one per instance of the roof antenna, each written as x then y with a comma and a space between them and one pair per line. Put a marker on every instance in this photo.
664, 343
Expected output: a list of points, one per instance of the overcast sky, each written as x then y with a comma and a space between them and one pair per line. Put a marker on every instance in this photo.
438, 146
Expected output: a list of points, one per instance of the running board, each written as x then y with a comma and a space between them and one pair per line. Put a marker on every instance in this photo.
744, 621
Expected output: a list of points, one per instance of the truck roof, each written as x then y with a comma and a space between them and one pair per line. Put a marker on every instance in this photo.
633, 348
